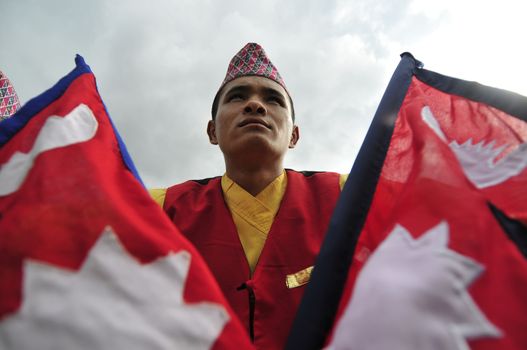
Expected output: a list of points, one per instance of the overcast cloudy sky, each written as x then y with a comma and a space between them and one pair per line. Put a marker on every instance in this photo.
159, 63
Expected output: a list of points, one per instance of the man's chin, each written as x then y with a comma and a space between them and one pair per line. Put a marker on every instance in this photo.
257, 144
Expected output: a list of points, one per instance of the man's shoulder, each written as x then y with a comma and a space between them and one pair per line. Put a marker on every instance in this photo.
196, 183
327, 177
186, 188
309, 173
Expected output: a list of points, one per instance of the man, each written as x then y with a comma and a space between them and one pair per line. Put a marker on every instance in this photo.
259, 227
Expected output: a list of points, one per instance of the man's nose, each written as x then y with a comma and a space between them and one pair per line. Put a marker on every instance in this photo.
255, 107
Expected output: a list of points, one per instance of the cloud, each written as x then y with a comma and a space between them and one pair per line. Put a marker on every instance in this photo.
159, 65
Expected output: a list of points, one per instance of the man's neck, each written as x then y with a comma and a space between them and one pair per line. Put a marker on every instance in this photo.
254, 180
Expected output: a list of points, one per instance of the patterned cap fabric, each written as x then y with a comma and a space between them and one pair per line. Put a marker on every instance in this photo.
9, 103
252, 60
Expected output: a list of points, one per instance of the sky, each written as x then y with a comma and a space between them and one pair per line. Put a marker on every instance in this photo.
159, 64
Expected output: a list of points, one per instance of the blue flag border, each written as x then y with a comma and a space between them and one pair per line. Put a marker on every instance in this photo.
507, 101
316, 315
11, 126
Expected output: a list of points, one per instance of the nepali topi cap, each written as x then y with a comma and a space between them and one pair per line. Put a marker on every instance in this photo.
9, 102
252, 60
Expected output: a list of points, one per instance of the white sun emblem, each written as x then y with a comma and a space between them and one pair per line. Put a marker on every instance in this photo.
412, 294
112, 302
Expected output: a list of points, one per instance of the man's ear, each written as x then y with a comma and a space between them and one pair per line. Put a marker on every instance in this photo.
211, 131
295, 135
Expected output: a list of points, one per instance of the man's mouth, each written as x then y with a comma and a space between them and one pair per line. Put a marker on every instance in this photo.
253, 121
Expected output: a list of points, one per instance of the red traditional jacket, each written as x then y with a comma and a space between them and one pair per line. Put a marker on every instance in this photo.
264, 302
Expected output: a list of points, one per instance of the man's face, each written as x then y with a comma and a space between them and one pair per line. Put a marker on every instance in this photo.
252, 112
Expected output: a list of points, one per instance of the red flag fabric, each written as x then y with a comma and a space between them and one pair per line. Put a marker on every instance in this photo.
87, 259
441, 259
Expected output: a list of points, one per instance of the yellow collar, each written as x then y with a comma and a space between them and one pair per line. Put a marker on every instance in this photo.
258, 210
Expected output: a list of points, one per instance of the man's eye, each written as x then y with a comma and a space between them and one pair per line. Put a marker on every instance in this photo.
235, 97
276, 100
